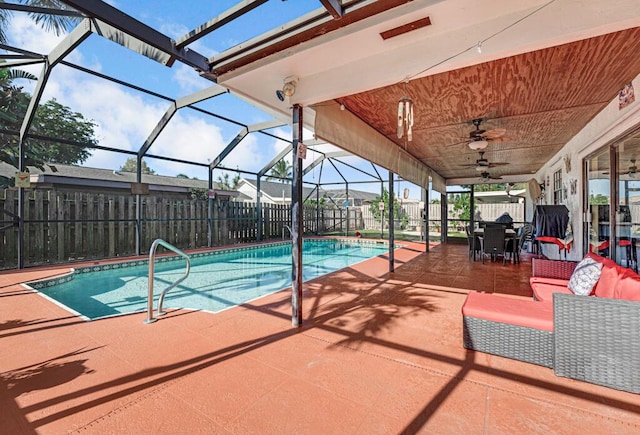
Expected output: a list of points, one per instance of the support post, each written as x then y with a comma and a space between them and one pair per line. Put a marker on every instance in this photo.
210, 211
425, 194
296, 222
21, 204
444, 219
259, 208
391, 225
347, 206
138, 206
472, 207
382, 211
318, 208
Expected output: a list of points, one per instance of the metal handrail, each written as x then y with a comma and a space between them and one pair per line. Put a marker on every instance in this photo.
287, 227
152, 256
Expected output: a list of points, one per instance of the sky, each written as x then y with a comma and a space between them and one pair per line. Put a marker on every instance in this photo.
125, 117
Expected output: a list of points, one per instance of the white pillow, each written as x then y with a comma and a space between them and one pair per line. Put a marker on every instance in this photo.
585, 276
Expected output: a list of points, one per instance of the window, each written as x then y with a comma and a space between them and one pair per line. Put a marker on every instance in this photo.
557, 187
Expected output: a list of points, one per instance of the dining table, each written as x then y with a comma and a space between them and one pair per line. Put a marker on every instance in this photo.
509, 233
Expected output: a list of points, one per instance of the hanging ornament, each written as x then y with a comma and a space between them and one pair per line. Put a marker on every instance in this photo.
405, 118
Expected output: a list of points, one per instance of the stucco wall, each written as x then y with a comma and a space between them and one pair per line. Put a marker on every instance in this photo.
609, 125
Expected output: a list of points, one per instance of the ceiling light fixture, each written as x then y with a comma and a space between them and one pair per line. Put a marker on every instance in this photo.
477, 145
288, 89
405, 118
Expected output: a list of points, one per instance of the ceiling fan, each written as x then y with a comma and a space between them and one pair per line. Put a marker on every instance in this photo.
633, 169
482, 164
479, 138
485, 177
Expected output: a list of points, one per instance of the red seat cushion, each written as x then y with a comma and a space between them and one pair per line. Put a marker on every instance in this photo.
553, 281
628, 287
543, 291
530, 314
606, 285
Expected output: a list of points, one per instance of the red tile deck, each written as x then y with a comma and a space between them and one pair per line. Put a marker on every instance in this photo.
378, 353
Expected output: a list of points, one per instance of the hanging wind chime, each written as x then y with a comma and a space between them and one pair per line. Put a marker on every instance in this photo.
405, 118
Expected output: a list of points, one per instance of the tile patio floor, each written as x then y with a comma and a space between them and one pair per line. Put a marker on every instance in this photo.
379, 353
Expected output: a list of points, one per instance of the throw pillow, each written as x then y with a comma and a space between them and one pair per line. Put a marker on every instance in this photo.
585, 276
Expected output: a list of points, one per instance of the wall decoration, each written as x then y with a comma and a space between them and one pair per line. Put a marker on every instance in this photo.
567, 163
573, 186
626, 96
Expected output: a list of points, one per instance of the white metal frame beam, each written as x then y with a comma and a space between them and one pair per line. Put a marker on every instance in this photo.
243, 133
333, 7
218, 21
196, 97
66, 46
139, 32
275, 160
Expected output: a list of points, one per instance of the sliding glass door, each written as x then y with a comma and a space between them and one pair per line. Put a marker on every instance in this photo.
598, 203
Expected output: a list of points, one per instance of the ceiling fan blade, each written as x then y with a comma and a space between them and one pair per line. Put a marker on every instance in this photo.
464, 141
494, 133
496, 164
500, 139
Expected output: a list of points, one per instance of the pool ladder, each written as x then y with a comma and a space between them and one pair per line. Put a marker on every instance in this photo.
152, 256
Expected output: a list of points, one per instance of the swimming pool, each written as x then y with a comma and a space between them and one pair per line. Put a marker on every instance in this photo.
218, 279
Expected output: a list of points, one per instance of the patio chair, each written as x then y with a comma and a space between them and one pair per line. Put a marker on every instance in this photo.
474, 243
493, 243
526, 237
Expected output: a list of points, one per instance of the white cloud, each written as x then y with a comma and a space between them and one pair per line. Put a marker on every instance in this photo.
175, 31
126, 118
188, 79
24, 33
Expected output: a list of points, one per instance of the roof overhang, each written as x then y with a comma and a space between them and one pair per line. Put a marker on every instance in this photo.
340, 59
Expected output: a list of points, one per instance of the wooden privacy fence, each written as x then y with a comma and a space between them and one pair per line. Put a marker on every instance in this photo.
413, 213
67, 226
62, 226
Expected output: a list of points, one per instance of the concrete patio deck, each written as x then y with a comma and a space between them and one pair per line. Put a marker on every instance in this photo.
379, 353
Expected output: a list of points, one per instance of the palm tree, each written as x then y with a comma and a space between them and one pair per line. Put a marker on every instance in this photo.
227, 184
51, 23
281, 171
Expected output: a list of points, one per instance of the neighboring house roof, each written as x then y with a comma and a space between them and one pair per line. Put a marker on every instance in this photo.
274, 189
339, 195
107, 178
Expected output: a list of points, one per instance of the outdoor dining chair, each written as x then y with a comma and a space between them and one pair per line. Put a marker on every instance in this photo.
474, 243
493, 243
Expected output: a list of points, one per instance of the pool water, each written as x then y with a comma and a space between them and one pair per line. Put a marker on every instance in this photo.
217, 280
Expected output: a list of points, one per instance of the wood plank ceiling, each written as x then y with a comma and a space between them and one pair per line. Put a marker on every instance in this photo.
541, 98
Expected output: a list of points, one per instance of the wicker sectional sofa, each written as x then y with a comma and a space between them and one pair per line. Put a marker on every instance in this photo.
593, 338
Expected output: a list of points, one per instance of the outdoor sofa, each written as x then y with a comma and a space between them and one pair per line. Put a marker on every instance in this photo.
593, 338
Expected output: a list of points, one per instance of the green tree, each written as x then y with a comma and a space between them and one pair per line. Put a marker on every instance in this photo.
51, 119
280, 171
598, 199
131, 165
195, 192
489, 187
321, 203
228, 184
398, 216
51, 23
58, 121
461, 205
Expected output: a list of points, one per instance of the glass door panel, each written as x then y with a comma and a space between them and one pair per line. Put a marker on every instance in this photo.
597, 227
628, 204
458, 214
